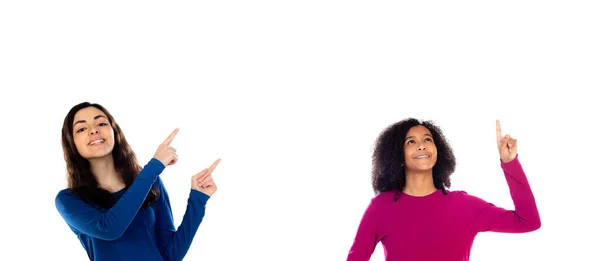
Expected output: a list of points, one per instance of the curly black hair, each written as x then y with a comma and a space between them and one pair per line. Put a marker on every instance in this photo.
388, 157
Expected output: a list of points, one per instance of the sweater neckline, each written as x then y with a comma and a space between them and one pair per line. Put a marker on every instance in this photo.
430, 195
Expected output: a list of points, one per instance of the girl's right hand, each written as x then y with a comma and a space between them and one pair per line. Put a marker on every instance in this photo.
165, 153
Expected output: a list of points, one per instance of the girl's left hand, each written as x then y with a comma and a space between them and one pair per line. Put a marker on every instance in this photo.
507, 146
204, 182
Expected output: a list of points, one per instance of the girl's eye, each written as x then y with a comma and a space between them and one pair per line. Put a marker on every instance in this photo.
103, 124
80, 130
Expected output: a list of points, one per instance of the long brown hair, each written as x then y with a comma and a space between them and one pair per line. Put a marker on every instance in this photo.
80, 179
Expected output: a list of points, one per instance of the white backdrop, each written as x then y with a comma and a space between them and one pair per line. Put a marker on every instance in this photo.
291, 96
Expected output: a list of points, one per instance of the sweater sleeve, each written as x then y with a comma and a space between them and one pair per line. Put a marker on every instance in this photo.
367, 237
108, 224
175, 243
525, 216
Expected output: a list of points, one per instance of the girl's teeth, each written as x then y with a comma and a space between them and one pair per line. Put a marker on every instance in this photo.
96, 142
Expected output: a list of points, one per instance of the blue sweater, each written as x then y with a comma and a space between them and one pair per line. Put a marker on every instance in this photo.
128, 232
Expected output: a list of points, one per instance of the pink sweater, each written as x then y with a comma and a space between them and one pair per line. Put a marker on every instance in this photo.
441, 227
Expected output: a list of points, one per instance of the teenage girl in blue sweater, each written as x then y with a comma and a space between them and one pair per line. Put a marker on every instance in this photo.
118, 209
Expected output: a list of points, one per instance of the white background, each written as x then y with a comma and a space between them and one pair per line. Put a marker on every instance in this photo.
291, 95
